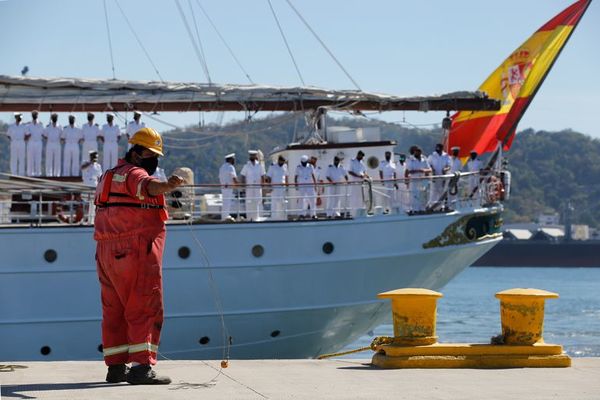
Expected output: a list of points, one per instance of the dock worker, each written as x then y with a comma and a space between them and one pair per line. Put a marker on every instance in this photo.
53, 135
16, 134
130, 238
278, 179
227, 178
439, 161
417, 168
91, 133
72, 137
475, 166
358, 174
110, 135
134, 126
34, 136
336, 189
387, 174
253, 176
306, 186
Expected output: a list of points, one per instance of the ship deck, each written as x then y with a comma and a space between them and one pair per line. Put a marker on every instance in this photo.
302, 379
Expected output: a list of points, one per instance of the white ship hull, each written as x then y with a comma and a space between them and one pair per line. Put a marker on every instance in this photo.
293, 301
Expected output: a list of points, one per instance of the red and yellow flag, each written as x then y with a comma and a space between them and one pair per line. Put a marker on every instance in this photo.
515, 82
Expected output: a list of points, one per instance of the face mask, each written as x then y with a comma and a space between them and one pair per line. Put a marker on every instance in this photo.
303, 163
54, 120
71, 121
149, 164
455, 154
439, 151
388, 158
281, 163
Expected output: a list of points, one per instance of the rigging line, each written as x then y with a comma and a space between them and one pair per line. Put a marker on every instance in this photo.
286, 42
237, 61
199, 41
110, 48
191, 36
323, 44
139, 41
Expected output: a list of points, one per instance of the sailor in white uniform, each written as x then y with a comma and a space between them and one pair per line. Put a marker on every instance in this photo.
134, 126
53, 135
455, 166
253, 174
110, 135
72, 137
417, 168
439, 161
403, 194
306, 184
475, 185
91, 172
387, 174
34, 136
16, 134
358, 174
227, 178
336, 190
278, 178
90, 132
320, 177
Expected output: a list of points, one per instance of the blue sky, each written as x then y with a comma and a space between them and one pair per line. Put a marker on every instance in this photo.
397, 47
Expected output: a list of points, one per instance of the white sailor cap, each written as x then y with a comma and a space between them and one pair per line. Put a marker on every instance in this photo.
340, 155
473, 151
230, 155
455, 148
92, 152
304, 158
17, 114
252, 152
137, 113
110, 114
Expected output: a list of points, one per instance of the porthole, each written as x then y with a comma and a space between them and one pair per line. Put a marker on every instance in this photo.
204, 340
50, 255
45, 350
258, 250
184, 252
275, 333
328, 248
373, 162
100, 348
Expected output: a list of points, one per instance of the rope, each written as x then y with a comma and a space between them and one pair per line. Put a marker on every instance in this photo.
377, 341
200, 42
286, 42
323, 44
239, 64
199, 54
112, 61
139, 41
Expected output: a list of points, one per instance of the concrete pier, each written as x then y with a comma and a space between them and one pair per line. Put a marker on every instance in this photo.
301, 379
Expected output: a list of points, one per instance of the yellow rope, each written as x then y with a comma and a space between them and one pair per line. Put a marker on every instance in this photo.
377, 341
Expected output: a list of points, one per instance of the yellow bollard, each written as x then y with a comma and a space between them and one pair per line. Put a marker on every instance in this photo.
522, 315
414, 315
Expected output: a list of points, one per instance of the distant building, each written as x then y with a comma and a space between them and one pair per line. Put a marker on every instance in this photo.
548, 219
548, 234
517, 234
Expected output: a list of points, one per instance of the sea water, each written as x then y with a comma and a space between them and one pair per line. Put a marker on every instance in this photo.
469, 312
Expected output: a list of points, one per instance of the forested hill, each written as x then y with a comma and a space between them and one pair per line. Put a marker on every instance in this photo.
548, 168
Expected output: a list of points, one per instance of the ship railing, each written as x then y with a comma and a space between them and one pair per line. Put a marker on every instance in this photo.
272, 202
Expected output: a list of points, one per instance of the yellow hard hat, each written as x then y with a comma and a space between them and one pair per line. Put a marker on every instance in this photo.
148, 138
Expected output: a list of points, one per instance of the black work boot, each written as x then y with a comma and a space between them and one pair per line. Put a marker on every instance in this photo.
144, 375
117, 373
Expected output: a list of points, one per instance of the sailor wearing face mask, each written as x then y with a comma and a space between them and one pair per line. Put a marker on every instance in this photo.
90, 132
475, 165
34, 135
110, 135
72, 137
439, 162
336, 189
358, 174
278, 178
417, 168
16, 134
253, 175
403, 197
387, 174
227, 178
455, 166
53, 136
130, 235
306, 185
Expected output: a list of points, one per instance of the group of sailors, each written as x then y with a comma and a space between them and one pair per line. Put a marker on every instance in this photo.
407, 183
27, 140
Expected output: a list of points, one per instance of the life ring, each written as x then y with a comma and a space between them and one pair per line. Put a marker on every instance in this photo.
495, 190
67, 216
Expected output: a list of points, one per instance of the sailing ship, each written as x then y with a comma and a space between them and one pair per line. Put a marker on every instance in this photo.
287, 288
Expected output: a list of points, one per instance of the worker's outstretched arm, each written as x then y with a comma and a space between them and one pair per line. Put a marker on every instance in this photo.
156, 187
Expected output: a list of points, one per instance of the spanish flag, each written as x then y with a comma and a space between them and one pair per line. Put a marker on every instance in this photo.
515, 82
